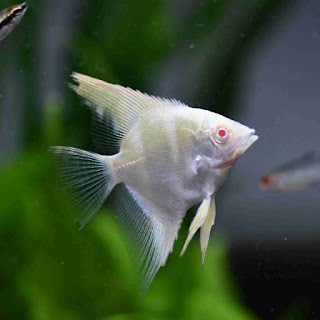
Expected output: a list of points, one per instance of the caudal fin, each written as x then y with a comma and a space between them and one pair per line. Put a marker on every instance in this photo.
88, 177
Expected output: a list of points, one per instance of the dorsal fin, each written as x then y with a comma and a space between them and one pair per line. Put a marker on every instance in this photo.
123, 105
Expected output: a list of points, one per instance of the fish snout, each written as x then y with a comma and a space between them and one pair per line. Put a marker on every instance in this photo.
267, 182
246, 141
252, 136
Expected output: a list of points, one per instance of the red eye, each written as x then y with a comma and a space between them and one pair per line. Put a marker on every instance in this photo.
222, 135
266, 180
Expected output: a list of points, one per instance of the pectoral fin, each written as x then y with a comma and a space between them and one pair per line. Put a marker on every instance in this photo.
197, 222
206, 228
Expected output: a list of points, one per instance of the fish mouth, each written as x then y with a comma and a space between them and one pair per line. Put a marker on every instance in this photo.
250, 139
252, 136
24, 5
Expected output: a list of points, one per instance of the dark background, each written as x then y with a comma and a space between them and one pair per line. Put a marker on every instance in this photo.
256, 61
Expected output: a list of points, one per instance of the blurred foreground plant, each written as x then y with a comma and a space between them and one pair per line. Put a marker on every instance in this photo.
50, 270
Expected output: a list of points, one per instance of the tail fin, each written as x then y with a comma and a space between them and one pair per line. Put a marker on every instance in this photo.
88, 176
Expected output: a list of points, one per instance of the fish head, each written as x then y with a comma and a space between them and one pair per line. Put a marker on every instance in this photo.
10, 17
270, 182
15, 12
229, 140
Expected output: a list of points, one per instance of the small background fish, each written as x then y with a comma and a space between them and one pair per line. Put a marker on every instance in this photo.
295, 175
10, 17
171, 157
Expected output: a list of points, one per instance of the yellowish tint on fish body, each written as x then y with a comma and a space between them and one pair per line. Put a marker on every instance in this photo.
169, 158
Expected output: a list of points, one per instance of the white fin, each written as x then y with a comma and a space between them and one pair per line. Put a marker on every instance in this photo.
87, 176
206, 228
150, 237
123, 105
197, 221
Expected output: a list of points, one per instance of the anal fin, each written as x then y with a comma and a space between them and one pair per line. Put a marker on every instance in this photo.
148, 231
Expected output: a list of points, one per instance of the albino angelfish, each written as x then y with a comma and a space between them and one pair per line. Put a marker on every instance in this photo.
169, 158
10, 17
295, 175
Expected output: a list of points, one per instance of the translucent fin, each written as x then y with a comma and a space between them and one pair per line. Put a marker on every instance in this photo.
197, 222
150, 239
206, 228
87, 176
103, 135
123, 105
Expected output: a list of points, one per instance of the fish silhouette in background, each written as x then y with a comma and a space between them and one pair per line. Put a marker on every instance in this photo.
10, 17
295, 175
169, 157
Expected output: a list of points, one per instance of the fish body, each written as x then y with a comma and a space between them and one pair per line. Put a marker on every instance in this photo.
295, 175
161, 155
170, 157
10, 17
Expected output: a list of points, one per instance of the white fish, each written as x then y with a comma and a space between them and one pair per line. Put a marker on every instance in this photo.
170, 157
295, 175
10, 17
